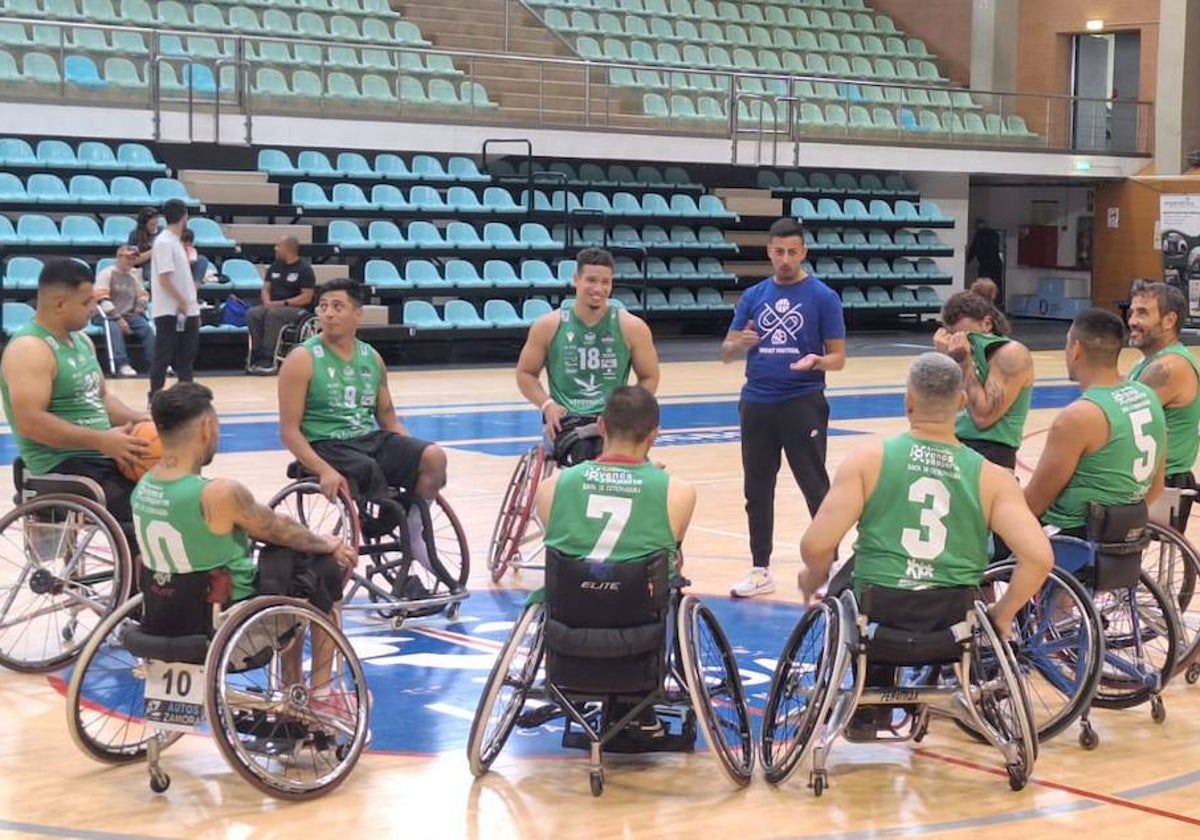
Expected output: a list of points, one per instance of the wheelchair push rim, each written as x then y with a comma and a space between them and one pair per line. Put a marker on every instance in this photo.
515, 670
289, 739
799, 693
64, 566
1003, 702
1173, 563
516, 511
716, 690
106, 695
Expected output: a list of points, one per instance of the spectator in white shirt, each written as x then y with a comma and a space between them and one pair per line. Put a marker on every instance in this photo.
122, 300
173, 296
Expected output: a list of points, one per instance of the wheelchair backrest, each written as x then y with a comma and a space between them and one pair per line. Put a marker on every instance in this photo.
588, 594
915, 626
28, 486
182, 604
1117, 523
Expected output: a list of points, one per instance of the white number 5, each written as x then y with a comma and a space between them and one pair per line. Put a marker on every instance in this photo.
1143, 467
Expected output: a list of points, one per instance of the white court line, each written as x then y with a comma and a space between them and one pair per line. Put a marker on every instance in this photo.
744, 537
453, 711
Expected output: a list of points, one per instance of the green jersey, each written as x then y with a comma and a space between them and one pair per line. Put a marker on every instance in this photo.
609, 511
1183, 422
1010, 428
586, 364
175, 538
342, 394
1121, 471
75, 396
923, 526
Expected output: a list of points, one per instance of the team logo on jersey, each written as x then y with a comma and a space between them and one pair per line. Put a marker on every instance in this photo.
781, 322
318, 351
589, 338
589, 388
570, 335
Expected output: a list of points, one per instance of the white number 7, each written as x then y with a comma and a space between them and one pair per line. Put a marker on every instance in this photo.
617, 509
1143, 467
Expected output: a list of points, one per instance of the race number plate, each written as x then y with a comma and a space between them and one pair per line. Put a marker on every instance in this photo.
174, 695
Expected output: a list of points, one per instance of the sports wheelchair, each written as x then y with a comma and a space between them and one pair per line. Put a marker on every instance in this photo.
1101, 631
292, 335
396, 584
1174, 564
922, 653
619, 642
65, 564
170, 658
517, 534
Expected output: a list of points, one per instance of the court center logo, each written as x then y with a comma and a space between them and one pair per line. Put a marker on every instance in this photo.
781, 321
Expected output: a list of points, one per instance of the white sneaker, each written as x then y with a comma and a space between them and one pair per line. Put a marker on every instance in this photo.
758, 582
126, 370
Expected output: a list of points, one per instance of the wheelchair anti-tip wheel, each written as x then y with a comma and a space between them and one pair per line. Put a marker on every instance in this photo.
716, 690
64, 567
507, 686
286, 698
798, 697
106, 694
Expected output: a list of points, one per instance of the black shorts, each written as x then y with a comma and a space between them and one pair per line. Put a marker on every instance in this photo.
317, 578
375, 462
998, 453
117, 490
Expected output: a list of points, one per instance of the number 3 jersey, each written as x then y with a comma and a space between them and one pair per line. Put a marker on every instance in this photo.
614, 511
175, 538
923, 526
342, 394
1121, 471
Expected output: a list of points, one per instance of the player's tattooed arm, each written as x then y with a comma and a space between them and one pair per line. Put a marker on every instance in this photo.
1010, 370
265, 525
1157, 375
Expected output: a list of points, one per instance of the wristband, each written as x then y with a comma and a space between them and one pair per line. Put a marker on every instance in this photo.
549, 402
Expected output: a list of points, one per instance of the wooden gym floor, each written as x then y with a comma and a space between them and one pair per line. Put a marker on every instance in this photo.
415, 782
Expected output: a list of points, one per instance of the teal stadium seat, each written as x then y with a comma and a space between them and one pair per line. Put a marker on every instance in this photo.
382, 274
421, 315
209, 234
463, 236
88, 189
461, 274
118, 228
48, 189
81, 71
21, 273
422, 274
37, 230
242, 274
384, 234
501, 314
345, 234
501, 274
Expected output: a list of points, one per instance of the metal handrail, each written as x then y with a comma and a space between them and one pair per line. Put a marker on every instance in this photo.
728, 93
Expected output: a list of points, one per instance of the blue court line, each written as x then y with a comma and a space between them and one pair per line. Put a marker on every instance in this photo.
55, 831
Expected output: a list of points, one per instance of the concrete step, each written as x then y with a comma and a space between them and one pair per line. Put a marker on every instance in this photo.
229, 192
751, 202
212, 175
255, 234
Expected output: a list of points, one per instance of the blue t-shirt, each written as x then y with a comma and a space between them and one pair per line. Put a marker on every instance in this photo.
793, 321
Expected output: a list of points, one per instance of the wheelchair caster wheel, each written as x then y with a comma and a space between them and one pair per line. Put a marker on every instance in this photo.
398, 622
818, 783
1016, 777
1158, 709
452, 611
1193, 673
342, 751
1088, 739
159, 782
597, 780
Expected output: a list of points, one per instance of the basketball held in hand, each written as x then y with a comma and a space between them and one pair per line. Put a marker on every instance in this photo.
148, 432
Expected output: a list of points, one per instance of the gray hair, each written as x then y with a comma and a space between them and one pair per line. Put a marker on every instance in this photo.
935, 380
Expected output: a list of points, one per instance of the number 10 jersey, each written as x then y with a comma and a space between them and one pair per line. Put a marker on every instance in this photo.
923, 526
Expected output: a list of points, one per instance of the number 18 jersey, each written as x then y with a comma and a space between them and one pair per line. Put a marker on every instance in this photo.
586, 364
923, 526
1120, 472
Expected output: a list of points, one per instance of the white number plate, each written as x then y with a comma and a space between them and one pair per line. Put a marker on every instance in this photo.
174, 695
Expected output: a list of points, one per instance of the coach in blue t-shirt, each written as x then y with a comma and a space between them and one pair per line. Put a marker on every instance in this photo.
791, 330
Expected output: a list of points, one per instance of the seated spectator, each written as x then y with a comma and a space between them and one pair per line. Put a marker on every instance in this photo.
287, 294
122, 299
142, 238
203, 271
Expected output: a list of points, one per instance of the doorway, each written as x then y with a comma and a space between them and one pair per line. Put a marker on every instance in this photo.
1106, 72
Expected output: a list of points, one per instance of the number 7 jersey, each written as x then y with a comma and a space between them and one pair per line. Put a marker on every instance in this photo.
923, 526
1121, 471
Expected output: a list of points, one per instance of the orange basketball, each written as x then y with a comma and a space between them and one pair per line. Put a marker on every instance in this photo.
148, 432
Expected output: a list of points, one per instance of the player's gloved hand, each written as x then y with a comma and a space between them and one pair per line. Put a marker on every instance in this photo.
553, 415
126, 449
332, 482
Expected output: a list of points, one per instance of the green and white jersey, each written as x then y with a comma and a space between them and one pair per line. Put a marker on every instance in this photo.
175, 538
923, 526
342, 394
75, 396
1121, 471
584, 365
1183, 422
1010, 428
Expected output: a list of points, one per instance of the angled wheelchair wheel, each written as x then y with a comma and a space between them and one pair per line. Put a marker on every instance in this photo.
64, 567
716, 690
411, 583
450, 542
507, 686
304, 502
798, 698
1059, 647
1141, 633
516, 510
1002, 703
1173, 563
286, 698
106, 694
